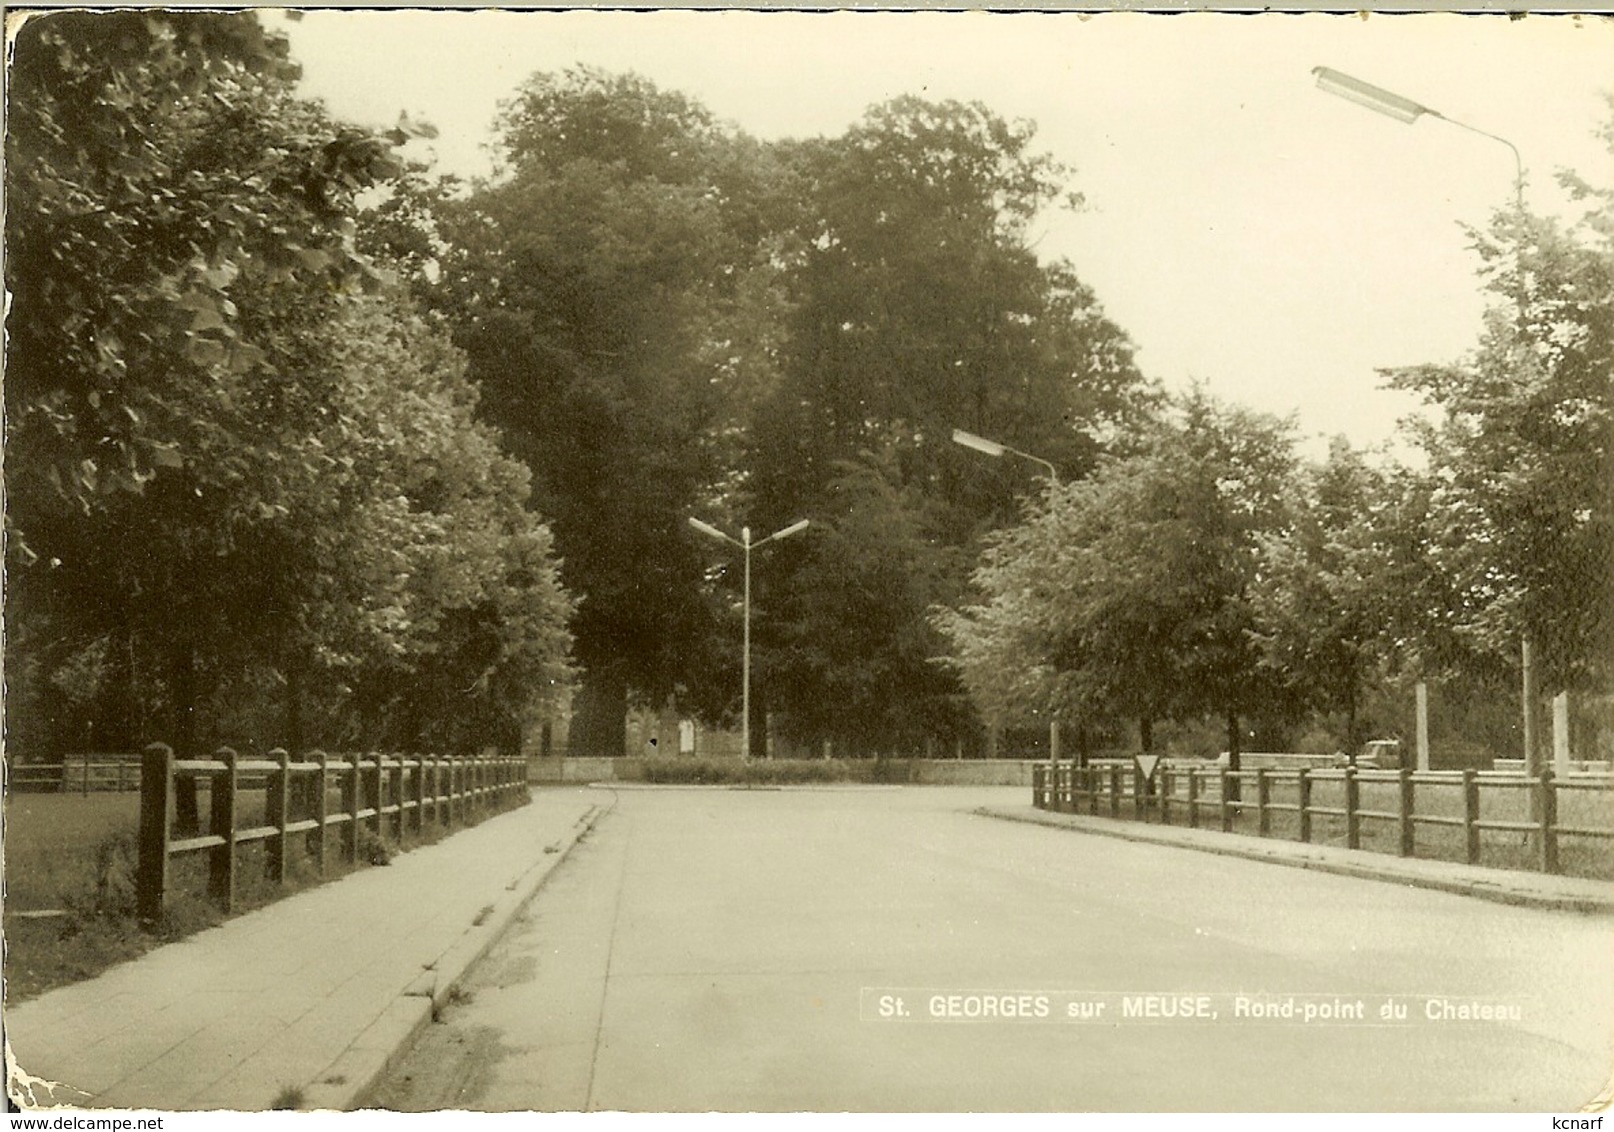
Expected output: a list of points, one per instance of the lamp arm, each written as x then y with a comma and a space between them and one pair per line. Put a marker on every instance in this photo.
1053, 473
1518, 160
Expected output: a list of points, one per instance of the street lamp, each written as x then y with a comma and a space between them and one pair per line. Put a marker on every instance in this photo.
993, 448
1405, 110
996, 449
744, 543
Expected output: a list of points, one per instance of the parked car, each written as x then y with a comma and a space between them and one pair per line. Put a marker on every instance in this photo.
1376, 754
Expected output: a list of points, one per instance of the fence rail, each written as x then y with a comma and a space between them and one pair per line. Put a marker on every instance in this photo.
90, 775
1195, 796
380, 794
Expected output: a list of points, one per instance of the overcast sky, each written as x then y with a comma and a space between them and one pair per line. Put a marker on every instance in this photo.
1246, 229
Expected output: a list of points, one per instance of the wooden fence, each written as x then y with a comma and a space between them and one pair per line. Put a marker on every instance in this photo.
89, 774
382, 794
1400, 801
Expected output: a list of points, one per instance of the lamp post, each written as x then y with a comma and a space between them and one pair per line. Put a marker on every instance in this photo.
1407, 111
997, 450
744, 543
993, 448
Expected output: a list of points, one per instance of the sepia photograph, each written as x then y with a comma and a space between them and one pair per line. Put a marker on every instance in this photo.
756, 561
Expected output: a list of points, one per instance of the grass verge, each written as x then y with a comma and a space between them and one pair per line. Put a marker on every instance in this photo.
74, 857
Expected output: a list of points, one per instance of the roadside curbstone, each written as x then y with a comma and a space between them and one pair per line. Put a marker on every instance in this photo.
1501, 886
347, 1082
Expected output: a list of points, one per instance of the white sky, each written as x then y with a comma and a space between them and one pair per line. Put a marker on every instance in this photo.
1245, 228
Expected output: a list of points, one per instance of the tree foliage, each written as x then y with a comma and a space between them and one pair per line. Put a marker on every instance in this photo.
1520, 459
1131, 594
230, 477
915, 304
600, 291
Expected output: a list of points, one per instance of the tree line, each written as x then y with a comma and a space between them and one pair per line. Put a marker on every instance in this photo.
306, 442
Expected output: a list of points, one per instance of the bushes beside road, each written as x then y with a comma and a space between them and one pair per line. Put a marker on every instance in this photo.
756, 772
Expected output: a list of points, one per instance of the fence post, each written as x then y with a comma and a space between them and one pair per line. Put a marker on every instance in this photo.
1405, 811
375, 788
1114, 775
445, 790
1263, 799
156, 816
1471, 832
221, 863
322, 809
1167, 787
420, 796
350, 802
428, 791
1353, 803
1193, 797
277, 806
1038, 772
456, 778
123, 775
85, 790
1137, 791
398, 823
1547, 790
1227, 802
1303, 802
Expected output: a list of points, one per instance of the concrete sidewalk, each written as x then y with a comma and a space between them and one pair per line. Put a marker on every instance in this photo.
1504, 886
312, 995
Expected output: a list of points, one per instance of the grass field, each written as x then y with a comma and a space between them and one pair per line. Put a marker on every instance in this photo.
51, 844
75, 856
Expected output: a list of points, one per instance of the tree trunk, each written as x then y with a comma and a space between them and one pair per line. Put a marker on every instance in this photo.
759, 724
600, 716
1233, 753
182, 726
295, 739
116, 726
1084, 749
1146, 734
1352, 743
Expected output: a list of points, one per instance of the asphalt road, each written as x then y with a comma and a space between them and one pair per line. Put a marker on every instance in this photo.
728, 950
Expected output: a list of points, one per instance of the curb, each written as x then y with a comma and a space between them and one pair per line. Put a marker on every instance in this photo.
1500, 886
346, 1083
806, 787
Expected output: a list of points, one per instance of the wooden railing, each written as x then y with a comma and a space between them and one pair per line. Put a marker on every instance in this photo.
384, 795
1407, 801
88, 774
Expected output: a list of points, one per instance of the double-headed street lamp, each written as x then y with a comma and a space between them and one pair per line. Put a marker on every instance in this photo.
744, 543
1407, 111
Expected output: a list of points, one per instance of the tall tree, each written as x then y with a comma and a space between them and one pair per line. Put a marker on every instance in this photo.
599, 291
1520, 459
1324, 609
917, 305
1130, 594
191, 523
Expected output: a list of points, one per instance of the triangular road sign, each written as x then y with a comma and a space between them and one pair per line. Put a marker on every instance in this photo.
1147, 763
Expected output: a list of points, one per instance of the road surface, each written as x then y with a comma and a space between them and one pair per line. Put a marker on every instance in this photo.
754, 950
